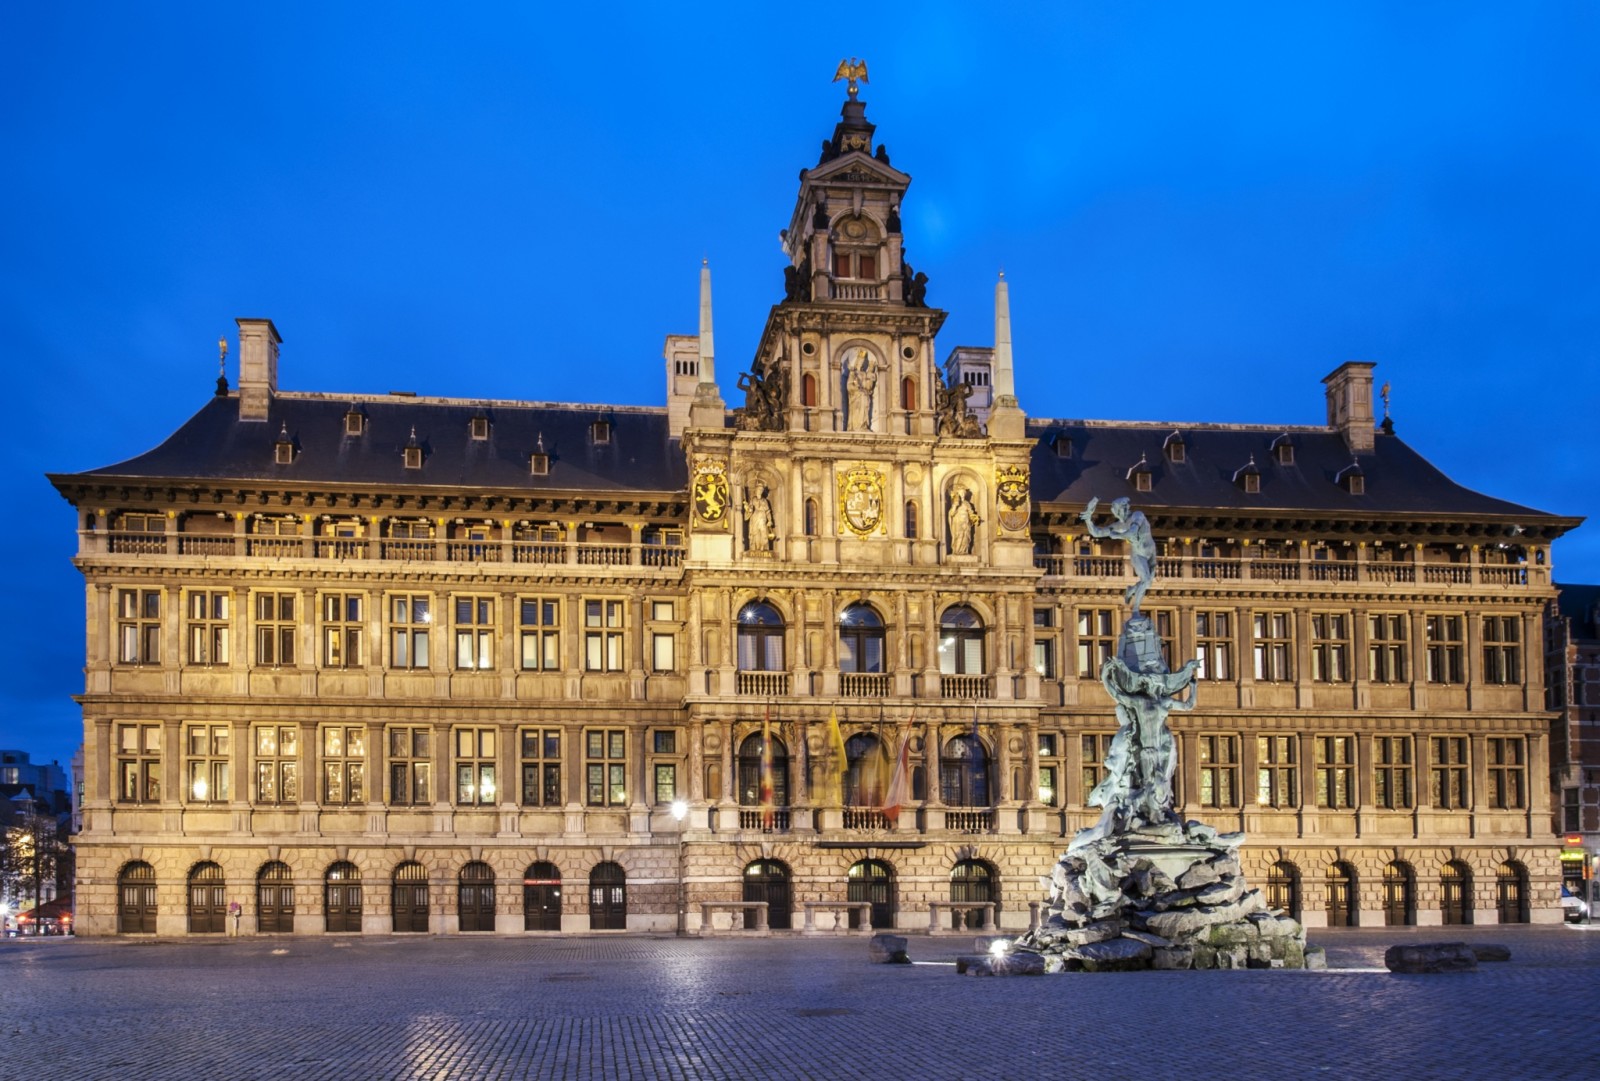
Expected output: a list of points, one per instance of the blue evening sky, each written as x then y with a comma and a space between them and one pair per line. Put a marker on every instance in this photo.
1202, 208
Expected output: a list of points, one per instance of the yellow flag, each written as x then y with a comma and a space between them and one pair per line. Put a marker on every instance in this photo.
836, 746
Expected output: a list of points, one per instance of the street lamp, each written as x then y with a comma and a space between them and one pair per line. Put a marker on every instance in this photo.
680, 810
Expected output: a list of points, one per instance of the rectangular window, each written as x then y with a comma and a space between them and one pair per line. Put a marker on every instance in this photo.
277, 767
1273, 646
1502, 649
540, 629
344, 764
1336, 772
1571, 811
138, 626
1446, 646
1386, 647
1096, 747
410, 617
1391, 773
663, 655
1507, 776
342, 630
1450, 772
602, 635
410, 766
138, 763
1049, 769
1096, 638
1330, 647
474, 632
206, 765
475, 767
275, 629
1277, 780
541, 767
206, 626
1044, 642
666, 782
664, 741
606, 767
1213, 632
1219, 771
661, 611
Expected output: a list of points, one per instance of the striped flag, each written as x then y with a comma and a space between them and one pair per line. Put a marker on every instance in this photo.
837, 752
899, 791
766, 770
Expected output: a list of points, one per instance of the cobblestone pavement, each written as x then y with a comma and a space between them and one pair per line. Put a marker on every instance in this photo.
641, 1007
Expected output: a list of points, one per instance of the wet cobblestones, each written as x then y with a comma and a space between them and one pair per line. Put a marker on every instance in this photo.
646, 1008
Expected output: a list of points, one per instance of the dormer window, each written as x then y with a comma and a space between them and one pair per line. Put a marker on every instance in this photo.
539, 464
355, 422
478, 427
1062, 445
1139, 475
600, 431
413, 451
1351, 479
1248, 477
1174, 448
283, 449
1283, 450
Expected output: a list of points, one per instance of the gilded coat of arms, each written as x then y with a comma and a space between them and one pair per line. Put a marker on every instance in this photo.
1011, 492
710, 491
861, 501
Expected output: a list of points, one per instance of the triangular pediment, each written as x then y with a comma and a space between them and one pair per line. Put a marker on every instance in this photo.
857, 168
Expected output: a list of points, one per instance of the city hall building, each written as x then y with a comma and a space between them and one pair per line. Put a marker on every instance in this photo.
383, 663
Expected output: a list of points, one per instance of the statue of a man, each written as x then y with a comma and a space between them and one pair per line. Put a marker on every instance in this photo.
1130, 525
963, 522
861, 383
1137, 790
758, 521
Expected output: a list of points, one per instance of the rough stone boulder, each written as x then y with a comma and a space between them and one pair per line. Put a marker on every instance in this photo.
1431, 957
1491, 952
1112, 955
888, 950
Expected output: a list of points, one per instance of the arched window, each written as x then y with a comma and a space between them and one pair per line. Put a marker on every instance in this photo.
1283, 888
760, 638
867, 774
1399, 895
608, 898
274, 899
808, 390
208, 900
872, 881
768, 880
1511, 892
410, 898
860, 639
341, 897
1455, 893
475, 897
971, 882
911, 519
750, 772
136, 899
960, 641
1341, 899
813, 523
964, 773
541, 897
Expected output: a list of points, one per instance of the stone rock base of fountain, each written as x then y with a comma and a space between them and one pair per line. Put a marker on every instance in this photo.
1164, 897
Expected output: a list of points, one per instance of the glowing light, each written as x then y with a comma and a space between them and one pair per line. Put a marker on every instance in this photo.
200, 788
999, 948
679, 809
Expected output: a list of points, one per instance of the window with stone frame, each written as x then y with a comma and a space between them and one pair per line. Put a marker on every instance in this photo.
1097, 636
474, 764
1502, 649
474, 631
541, 767
1095, 747
410, 765
1507, 775
1571, 811
602, 635
539, 628
1336, 772
1051, 769
1277, 775
666, 783
1330, 647
1393, 779
207, 625
342, 629
344, 764
663, 637
1386, 647
1213, 632
606, 767
1219, 771
410, 624
1273, 647
205, 764
138, 763
1446, 648
277, 763
276, 628
1044, 642
138, 626
1449, 782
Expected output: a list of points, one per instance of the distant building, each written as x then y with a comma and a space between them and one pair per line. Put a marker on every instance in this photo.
48, 784
1572, 693
383, 663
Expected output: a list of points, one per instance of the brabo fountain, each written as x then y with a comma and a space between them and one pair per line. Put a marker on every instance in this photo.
1141, 888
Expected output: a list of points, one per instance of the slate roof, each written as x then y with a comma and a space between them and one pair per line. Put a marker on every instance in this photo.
215, 444
1577, 603
1398, 479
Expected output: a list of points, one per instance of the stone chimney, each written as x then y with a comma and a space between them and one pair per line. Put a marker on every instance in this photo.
258, 367
1350, 404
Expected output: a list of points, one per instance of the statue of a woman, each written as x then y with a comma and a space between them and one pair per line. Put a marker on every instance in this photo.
862, 382
758, 521
963, 520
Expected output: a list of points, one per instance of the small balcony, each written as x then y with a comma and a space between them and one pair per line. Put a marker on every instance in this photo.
864, 684
763, 684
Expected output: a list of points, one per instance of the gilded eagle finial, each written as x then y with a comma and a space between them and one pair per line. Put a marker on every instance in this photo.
853, 70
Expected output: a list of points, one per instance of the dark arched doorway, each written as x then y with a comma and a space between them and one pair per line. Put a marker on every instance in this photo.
136, 900
208, 900
971, 882
341, 898
1511, 892
608, 898
411, 898
1341, 895
768, 880
1455, 893
872, 881
1283, 888
475, 897
1399, 895
541, 897
274, 899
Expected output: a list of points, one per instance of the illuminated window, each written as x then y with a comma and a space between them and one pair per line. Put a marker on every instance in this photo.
475, 767
206, 626
1273, 646
277, 764
1096, 640
410, 765
344, 764
410, 619
541, 767
602, 635
474, 628
138, 626
1336, 772
275, 629
342, 630
138, 763
206, 764
1214, 644
1219, 771
540, 630
606, 767
1330, 647
1277, 779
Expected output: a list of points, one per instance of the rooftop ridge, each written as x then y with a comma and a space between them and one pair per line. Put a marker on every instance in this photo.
500, 403
1168, 425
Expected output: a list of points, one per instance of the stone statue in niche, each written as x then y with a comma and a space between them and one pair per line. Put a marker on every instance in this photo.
963, 519
861, 384
758, 522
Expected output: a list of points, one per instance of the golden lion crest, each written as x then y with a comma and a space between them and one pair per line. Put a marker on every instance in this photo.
710, 490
